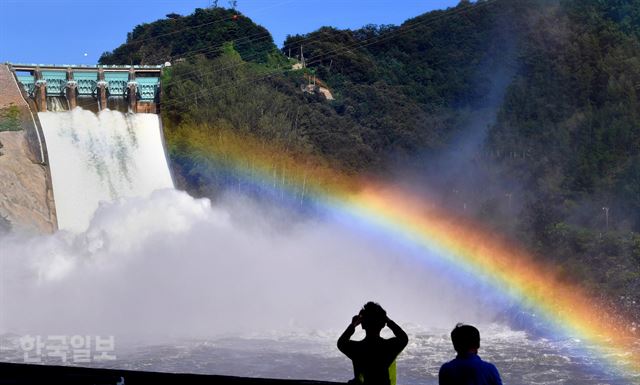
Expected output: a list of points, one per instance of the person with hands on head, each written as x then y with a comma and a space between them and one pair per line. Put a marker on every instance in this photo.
374, 358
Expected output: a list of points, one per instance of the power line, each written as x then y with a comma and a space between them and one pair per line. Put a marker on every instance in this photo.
309, 38
245, 58
360, 44
364, 43
376, 39
401, 29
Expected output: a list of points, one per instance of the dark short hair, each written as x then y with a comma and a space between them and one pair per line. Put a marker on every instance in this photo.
465, 337
373, 315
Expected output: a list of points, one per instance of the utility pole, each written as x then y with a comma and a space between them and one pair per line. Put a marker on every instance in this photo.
302, 57
606, 217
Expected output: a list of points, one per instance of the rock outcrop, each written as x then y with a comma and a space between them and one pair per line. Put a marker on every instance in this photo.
26, 197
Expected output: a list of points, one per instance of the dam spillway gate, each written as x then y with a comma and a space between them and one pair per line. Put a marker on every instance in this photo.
138, 86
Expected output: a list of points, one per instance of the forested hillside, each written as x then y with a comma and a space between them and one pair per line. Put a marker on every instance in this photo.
569, 129
537, 99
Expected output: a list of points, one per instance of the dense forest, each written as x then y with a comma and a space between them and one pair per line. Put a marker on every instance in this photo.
526, 111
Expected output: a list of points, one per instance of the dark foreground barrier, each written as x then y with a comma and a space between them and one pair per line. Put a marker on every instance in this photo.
22, 374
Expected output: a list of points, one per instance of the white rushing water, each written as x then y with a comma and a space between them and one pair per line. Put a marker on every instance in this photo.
95, 158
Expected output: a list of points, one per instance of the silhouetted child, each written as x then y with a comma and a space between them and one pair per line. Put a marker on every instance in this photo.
467, 368
374, 357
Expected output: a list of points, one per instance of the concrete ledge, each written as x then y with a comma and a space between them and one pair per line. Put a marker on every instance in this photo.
22, 374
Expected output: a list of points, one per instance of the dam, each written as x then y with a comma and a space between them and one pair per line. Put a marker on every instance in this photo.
96, 133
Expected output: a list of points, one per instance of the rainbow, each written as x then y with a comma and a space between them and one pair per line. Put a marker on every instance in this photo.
460, 243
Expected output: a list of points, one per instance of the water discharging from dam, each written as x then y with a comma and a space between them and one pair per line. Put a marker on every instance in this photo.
101, 157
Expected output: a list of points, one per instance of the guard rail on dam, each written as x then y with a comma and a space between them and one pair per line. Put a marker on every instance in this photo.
139, 86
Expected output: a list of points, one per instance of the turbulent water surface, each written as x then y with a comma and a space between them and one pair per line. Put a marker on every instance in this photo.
520, 359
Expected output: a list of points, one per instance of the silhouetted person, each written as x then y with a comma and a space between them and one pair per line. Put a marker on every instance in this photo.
467, 368
374, 357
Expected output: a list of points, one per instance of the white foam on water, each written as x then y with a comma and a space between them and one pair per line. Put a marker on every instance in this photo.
96, 158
